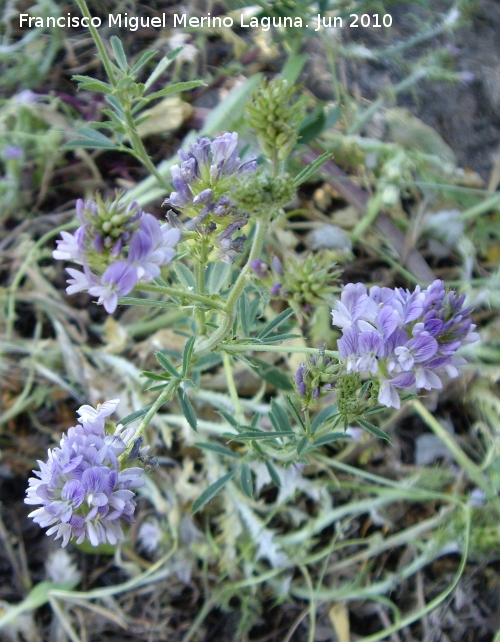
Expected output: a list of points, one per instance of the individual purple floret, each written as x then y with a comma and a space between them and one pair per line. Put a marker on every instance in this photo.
118, 246
259, 268
82, 490
404, 339
12, 152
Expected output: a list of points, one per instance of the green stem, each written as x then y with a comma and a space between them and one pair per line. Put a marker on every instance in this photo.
172, 385
372, 211
481, 208
135, 139
139, 149
461, 458
258, 241
231, 386
182, 294
312, 603
207, 345
199, 271
255, 347
103, 54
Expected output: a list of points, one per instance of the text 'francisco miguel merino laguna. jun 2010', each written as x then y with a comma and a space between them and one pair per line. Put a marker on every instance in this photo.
165, 21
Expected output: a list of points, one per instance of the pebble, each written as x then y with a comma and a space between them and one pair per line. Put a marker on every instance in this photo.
330, 237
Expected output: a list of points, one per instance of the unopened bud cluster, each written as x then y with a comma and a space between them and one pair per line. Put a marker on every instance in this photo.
275, 119
259, 192
316, 378
303, 283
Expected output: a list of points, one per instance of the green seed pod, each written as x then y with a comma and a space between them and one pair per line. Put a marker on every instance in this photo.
255, 193
275, 118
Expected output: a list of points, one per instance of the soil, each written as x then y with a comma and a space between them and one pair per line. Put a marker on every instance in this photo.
466, 114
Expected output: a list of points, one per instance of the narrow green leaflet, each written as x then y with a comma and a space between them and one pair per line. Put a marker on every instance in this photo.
246, 480
310, 169
328, 438
275, 323
218, 275
302, 445
281, 416
187, 409
165, 363
229, 418
157, 387
154, 376
185, 276
254, 309
262, 435
135, 415
89, 144
273, 474
186, 356
141, 61
293, 67
375, 430
217, 448
271, 374
364, 388
256, 420
175, 89
278, 338
294, 411
119, 53
161, 67
375, 410
115, 103
323, 416
92, 139
211, 491
91, 84
244, 314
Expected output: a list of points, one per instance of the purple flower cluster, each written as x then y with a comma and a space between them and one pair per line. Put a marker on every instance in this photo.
200, 178
82, 491
403, 339
117, 247
202, 182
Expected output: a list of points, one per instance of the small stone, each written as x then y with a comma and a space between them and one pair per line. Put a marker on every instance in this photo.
330, 237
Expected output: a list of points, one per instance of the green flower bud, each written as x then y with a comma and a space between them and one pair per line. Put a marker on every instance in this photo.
275, 119
255, 193
306, 283
348, 401
316, 378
